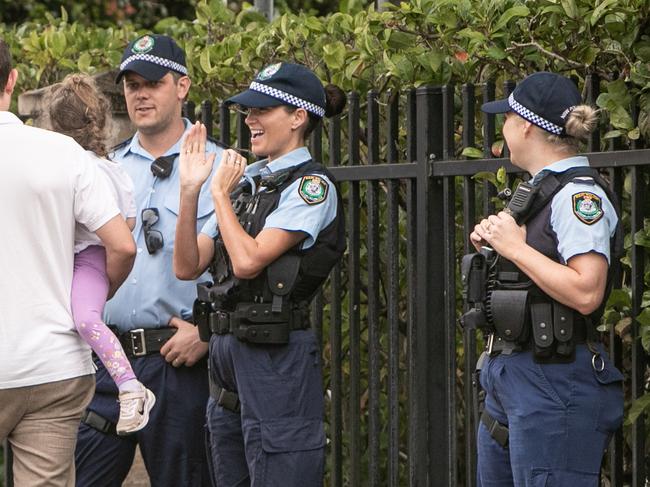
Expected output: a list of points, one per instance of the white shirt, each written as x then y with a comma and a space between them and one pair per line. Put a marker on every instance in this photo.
122, 189
47, 184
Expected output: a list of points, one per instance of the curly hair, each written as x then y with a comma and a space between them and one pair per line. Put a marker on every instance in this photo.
78, 109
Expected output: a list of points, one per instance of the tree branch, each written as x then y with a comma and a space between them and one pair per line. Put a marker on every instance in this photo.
537, 46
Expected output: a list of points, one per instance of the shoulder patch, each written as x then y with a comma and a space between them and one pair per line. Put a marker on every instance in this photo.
313, 189
587, 207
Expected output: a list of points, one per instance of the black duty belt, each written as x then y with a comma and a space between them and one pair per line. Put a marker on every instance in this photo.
145, 341
496, 344
224, 322
100, 423
226, 399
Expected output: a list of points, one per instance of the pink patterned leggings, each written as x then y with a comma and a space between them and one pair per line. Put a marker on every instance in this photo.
89, 292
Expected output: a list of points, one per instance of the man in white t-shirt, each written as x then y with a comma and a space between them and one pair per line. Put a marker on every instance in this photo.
47, 184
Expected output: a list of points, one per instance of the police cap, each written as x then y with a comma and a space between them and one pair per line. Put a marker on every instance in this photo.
152, 56
544, 99
284, 84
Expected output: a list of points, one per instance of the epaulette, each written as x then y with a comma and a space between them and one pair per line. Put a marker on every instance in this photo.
217, 142
124, 143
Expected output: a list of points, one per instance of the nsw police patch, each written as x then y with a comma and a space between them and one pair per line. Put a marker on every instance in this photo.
143, 45
313, 189
269, 71
588, 207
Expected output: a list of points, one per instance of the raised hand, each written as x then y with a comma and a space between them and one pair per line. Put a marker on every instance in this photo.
195, 164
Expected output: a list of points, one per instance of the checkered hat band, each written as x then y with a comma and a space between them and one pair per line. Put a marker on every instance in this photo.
160, 61
533, 118
287, 97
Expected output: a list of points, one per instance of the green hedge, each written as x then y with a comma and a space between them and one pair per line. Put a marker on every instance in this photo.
421, 42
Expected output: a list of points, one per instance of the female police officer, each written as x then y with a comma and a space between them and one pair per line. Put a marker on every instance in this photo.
553, 398
277, 237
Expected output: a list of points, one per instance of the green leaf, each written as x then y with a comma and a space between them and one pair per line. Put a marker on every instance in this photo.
486, 176
334, 55
619, 298
204, 61
612, 134
517, 11
642, 238
84, 62
619, 117
570, 8
638, 407
473, 152
496, 53
501, 175
600, 10
203, 13
634, 134
400, 40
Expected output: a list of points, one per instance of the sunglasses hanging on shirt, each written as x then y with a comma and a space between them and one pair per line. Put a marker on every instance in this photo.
162, 166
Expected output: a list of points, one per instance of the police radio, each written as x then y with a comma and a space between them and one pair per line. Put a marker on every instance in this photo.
521, 201
162, 166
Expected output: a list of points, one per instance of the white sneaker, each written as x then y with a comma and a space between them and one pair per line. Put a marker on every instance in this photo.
134, 410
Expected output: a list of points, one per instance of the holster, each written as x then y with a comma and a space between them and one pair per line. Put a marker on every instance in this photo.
201, 317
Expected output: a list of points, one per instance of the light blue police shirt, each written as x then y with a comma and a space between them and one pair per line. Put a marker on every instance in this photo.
574, 236
292, 213
152, 294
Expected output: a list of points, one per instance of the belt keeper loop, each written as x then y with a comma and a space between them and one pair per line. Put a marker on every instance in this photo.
276, 307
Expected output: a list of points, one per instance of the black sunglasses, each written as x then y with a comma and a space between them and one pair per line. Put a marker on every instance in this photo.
153, 238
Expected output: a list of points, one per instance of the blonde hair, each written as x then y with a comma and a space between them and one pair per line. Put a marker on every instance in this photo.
582, 121
78, 109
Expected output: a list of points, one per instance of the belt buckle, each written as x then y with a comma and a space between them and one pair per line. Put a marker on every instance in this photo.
139, 350
490, 344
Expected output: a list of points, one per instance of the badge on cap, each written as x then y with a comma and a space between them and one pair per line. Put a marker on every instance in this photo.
142, 45
313, 189
588, 207
269, 71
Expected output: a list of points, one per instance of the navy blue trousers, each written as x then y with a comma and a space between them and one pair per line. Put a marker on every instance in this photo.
560, 419
277, 439
172, 444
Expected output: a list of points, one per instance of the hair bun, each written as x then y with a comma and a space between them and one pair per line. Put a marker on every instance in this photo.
334, 100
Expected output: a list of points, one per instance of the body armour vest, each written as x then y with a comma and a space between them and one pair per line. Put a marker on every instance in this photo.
307, 269
518, 307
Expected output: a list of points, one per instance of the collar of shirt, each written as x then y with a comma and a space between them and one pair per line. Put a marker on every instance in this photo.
7, 118
264, 167
135, 147
561, 166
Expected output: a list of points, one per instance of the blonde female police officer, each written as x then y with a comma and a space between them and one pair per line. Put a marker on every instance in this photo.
270, 245
553, 397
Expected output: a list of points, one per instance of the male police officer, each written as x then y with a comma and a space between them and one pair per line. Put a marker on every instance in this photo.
152, 309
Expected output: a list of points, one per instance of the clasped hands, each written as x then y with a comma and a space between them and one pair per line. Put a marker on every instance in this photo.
500, 232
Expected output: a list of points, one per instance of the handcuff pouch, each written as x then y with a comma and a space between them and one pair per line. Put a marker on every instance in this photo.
509, 310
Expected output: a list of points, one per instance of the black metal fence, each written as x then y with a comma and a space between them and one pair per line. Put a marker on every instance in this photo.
397, 368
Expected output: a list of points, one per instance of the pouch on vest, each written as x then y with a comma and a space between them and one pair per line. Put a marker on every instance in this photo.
563, 329
509, 310
541, 315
